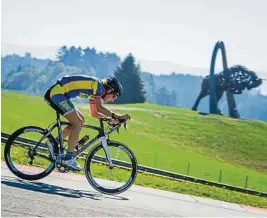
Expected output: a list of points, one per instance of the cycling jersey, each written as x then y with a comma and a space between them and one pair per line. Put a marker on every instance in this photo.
70, 87
82, 86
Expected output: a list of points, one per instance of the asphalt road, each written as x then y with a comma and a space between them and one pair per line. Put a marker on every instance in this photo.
68, 195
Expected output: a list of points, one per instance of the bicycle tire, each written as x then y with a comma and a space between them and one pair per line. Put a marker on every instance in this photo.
14, 138
98, 187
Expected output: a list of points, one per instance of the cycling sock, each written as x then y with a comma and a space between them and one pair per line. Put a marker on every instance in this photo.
69, 155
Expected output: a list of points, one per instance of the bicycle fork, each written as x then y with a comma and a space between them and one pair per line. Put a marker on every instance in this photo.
106, 149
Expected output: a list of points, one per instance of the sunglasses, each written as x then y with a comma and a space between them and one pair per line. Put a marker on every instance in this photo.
114, 94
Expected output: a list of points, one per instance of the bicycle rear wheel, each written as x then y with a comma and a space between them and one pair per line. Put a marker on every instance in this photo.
29, 157
115, 180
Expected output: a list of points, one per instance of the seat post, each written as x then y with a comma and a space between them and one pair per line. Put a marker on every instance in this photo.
60, 133
58, 116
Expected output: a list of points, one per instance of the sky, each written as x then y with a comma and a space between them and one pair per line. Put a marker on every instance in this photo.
181, 32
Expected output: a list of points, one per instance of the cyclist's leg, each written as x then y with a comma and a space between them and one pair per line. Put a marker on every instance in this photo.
67, 109
56, 89
76, 126
67, 129
80, 115
57, 99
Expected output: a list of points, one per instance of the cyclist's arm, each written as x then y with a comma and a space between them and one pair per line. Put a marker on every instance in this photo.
97, 110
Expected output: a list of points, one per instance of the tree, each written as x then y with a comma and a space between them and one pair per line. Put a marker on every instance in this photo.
70, 56
173, 97
150, 87
62, 53
75, 58
164, 97
129, 76
90, 58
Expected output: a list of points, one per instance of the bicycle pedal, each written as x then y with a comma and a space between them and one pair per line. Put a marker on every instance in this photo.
65, 168
62, 169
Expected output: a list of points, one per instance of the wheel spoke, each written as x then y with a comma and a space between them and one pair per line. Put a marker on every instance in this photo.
111, 180
25, 157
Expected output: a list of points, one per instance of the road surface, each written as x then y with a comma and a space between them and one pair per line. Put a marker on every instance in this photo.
69, 194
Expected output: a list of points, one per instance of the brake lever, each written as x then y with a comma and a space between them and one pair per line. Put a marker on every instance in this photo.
118, 129
124, 125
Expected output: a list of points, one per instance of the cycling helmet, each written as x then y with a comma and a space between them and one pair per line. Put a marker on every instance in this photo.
114, 84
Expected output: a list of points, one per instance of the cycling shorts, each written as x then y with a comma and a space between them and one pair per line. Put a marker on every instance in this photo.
56, 98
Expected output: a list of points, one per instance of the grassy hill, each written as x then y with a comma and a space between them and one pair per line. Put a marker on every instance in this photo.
170, 138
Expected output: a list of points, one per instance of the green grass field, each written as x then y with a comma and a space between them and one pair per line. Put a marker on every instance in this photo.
172, 139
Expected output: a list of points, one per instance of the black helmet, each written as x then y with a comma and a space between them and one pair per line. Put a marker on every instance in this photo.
114, 84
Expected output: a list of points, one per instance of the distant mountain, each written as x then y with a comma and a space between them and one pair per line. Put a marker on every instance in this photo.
165, 67
43, 52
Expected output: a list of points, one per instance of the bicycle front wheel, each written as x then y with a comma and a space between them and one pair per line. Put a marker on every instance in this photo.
111, 180
28, 154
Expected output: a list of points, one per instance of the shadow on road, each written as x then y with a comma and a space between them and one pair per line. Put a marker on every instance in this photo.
55, 190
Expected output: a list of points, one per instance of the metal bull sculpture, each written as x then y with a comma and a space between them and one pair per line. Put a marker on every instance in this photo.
235, 79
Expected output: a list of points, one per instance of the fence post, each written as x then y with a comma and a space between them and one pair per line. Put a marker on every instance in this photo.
220, 175
246, 182
188, 168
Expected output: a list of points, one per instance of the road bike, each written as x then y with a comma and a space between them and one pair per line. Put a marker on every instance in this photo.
110, 166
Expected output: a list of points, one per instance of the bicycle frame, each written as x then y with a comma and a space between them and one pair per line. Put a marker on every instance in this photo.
101, 135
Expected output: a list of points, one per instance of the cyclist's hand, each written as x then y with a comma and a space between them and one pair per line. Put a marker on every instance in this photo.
113, 122
124, 117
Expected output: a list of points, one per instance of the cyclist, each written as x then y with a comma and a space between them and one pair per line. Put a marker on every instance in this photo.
58, 97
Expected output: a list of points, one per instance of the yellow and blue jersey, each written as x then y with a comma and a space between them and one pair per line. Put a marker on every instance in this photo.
80, 85
70, 87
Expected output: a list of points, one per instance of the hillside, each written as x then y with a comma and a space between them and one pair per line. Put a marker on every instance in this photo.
170, 138
32, 75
